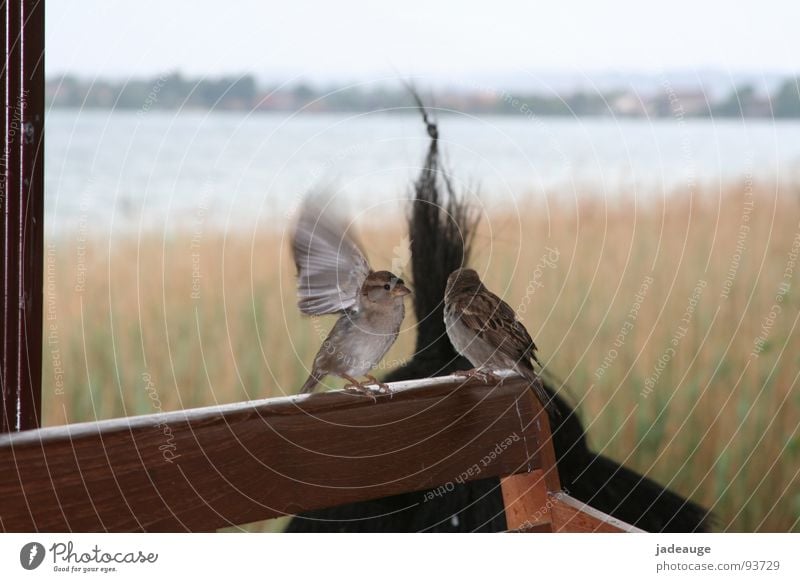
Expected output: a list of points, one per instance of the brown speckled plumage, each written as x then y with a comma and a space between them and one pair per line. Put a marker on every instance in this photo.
485, 329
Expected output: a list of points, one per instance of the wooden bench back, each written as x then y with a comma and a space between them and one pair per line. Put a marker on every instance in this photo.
209, 468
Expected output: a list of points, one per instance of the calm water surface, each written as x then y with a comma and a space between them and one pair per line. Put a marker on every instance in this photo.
157, 170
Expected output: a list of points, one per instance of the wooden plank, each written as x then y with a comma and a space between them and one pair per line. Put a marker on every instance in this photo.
525, 495
539, 528
208, 468
571, 515
21, 214
525, 499
548, 453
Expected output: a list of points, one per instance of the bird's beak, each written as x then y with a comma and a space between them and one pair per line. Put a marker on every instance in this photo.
400, 290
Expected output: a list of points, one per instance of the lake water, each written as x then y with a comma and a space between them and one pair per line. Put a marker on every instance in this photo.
156, 170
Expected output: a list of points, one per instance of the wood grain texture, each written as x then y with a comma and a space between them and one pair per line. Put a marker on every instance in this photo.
203, 469
525, 499
525, 495
571, 515
22, 214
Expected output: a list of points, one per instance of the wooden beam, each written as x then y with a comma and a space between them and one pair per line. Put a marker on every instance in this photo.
209, 468
525, 495
571, 515
525, 499
21, 214
534, 501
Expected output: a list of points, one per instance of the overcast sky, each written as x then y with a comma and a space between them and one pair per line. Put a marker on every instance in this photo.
348, 40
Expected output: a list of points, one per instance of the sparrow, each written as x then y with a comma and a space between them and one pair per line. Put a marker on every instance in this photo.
484, 329
333, 276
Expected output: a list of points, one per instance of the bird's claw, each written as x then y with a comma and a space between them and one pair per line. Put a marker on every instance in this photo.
383, 388
360, 388
364, 387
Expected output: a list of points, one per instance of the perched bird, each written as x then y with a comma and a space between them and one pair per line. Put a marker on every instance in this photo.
442, 229
333, 276
484, 329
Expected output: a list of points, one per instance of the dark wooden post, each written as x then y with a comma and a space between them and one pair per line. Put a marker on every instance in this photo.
21, 214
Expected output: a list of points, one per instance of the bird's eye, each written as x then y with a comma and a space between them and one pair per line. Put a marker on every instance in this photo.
387, 286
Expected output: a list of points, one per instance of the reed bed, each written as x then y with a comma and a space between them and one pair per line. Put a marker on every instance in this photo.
671, 320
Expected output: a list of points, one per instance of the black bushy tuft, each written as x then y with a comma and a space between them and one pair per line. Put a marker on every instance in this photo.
442, 228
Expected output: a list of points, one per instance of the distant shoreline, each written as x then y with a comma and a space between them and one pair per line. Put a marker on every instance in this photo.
402, 111
175, 92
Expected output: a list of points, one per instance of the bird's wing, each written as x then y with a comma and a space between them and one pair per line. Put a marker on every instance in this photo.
494, 321
331, 267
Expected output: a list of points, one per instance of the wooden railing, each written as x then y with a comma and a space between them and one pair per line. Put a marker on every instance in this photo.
208, 468
203, 469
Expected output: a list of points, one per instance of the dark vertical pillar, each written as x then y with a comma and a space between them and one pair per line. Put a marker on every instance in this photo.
21, 214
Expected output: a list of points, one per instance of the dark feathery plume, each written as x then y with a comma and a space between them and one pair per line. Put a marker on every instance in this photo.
442, 228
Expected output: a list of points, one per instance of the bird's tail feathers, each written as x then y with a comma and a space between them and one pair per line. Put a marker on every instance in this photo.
547, 401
